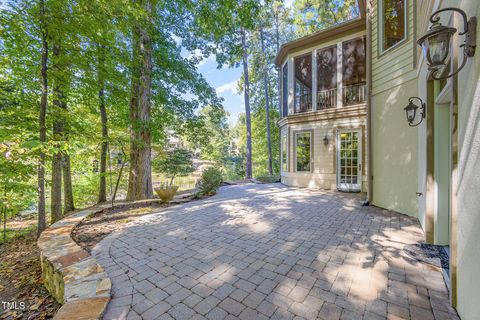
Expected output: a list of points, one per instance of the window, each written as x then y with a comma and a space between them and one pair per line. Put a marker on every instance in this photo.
303, 155
285, 90
284, 153
393, 22
354, 72
303, 83
327, 78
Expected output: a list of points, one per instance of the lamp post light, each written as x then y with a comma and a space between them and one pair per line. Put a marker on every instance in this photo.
95, 165
436, 42
119, 158
411, 111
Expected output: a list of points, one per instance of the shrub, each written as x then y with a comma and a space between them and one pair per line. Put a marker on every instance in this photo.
209, 182
268, 179
176, 163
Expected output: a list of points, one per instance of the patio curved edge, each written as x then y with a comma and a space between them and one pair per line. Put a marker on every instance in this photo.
71, 274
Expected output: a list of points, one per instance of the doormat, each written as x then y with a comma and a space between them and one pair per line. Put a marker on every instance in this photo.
429, 253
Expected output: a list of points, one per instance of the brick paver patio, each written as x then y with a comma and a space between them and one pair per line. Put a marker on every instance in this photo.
271, 252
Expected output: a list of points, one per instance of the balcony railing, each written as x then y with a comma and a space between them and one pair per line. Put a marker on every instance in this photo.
303, 103
354, 94
327, 99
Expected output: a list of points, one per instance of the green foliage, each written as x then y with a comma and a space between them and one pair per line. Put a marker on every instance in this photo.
14, 233
209, 182
268, 179
313, 15
209, 133
95, 55
175, 163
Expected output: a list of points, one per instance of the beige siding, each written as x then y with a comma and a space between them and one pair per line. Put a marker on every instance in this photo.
394, 67
323, 173
394, 143
468, 188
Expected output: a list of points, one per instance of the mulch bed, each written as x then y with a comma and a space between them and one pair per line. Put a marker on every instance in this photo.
429, 253
20, 281
92, 230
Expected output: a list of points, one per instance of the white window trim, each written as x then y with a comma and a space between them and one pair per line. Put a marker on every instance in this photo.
281, 89
381, 51
284, 136
360, 155
295, 134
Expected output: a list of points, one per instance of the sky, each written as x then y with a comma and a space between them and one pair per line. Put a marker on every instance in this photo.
224, 81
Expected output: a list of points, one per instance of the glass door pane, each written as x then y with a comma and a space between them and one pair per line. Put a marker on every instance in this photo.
303, 151
349, 154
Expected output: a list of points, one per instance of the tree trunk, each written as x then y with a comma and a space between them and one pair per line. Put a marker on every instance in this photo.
58, 102
140, 175
267, 105
246, 90
56, 187
102, 194
67, 184
42, 223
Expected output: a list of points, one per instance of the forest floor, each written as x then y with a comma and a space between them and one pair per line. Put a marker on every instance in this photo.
22, 294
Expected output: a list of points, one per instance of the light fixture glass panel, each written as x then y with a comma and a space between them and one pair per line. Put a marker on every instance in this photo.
438, 45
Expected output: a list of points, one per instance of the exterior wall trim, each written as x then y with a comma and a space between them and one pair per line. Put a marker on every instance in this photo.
312, 152
324, 115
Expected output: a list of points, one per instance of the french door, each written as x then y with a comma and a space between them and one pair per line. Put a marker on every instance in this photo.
349, 160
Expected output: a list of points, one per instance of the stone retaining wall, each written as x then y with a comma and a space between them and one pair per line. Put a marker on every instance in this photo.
71, 275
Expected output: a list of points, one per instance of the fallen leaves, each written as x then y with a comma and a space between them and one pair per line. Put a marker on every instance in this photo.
21, 282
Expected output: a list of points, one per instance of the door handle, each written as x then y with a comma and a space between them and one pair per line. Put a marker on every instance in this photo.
359, 167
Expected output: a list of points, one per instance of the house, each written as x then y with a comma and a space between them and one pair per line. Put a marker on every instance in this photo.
361, 111
323, 107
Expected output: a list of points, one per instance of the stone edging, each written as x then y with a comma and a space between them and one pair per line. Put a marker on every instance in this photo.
71, 274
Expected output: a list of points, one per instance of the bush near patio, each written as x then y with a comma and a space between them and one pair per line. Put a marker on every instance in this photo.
177, 162
209, 182
268, 178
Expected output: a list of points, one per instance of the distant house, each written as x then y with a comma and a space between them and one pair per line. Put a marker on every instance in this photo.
344, 125
173, 140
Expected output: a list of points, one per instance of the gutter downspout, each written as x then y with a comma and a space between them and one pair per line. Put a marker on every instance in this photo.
369, 105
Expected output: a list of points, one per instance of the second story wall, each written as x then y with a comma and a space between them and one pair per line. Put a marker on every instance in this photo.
324, 75
394, 46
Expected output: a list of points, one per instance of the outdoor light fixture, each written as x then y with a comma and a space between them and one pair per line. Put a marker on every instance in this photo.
436, 43
411, 111
95, 165
119, 158
325, 140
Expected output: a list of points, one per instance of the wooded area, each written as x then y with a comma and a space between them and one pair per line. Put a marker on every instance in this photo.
90, 87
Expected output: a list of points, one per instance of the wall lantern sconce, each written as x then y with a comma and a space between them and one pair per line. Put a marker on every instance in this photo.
325, 140
411, 111
436, 42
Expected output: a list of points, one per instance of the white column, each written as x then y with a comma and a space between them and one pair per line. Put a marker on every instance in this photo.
339, 75
314, 80
291, 80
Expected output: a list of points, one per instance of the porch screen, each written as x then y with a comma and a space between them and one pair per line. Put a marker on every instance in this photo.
327, 78
354, 71
303, 83
393, 22
303, 145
